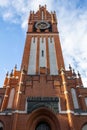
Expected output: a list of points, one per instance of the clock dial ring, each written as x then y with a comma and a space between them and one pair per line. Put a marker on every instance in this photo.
42, 25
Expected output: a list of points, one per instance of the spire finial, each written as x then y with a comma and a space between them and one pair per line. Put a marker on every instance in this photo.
39, 6
15, 67
79, 74
7, 74
11, 74
45, 6
70, 67
74, 72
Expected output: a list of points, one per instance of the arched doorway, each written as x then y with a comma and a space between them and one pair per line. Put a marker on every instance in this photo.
84, 127
42, 126
1, 126
42, 119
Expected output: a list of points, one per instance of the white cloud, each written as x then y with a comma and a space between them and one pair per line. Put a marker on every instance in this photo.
24, 24
7, 15
72, 25
4, 3
73, 34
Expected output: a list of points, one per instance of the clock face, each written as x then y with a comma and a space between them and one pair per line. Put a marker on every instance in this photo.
42, 25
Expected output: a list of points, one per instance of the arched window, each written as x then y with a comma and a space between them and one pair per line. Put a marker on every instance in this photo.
1, 126
0, 100
84, 127
42, 53
11, 98
43, 126
86, 101
74, 97
42, 15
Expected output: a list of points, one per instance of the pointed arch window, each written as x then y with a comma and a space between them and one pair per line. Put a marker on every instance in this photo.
74, 97
86, 101
42, 53
33, 39
0, 100
11, 98
42, 15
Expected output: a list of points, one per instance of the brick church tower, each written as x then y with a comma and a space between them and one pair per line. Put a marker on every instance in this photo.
43, 95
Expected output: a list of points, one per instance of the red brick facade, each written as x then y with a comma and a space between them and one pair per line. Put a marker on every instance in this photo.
41, 98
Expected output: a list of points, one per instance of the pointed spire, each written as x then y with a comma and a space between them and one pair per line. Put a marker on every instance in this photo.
39, 6
6, 80
54, 12
33, 11
11, 74
7, 74
52, 18
15, 67
45, 6
79, 74
74, 72
70, 67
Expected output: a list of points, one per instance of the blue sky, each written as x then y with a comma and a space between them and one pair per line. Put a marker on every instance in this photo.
72, 26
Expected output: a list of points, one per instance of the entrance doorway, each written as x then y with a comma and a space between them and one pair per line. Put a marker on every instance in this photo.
1, 126
42, 126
